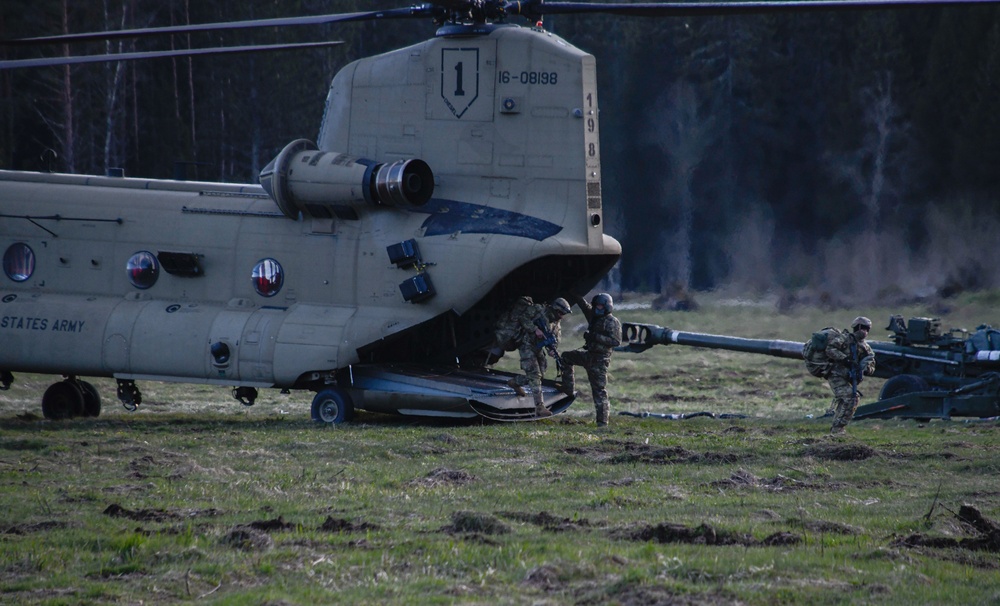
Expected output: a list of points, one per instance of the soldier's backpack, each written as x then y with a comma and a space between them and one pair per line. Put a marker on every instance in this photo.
814, 352
506, 330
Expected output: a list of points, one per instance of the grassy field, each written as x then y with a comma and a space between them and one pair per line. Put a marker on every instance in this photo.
195, 498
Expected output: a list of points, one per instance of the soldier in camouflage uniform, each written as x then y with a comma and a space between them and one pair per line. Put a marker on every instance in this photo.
604, 333
846, 350
507, 330
529, 338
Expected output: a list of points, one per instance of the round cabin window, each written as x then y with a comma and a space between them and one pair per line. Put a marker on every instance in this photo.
267, 277
142, 269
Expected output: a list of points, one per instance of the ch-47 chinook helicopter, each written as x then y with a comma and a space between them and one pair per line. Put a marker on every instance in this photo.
367, 266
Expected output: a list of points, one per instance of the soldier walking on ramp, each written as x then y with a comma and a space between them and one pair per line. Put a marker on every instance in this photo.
844, 359
534, 321
604, 333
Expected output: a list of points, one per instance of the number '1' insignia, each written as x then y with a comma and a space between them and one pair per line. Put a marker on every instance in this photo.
459, 78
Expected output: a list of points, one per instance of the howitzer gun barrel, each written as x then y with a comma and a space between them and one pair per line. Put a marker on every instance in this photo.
885, 351
640, 337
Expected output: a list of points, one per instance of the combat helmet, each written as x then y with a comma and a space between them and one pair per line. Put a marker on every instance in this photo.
861, 321
602, 304
561, 305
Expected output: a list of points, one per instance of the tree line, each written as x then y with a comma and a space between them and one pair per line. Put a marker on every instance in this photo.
852, 153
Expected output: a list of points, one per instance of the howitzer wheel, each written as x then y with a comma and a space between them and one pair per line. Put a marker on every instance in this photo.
901, 385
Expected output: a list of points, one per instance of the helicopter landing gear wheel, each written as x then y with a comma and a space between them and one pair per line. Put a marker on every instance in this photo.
332, 406
91, 399
247, 396
62, 400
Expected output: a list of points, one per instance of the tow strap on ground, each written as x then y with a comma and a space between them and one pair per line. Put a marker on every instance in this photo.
682, 416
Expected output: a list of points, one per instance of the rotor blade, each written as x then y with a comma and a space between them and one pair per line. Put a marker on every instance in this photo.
422, 10
14, 64
692, 9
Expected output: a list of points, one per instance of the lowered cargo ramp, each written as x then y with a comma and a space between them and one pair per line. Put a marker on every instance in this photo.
445, 392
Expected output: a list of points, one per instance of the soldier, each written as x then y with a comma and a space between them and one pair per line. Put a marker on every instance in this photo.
604, 333
851, 360
530, 340
507, 329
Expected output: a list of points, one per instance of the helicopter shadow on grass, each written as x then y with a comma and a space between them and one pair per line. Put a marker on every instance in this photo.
196, 422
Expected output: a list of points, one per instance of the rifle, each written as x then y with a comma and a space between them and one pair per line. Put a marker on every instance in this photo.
549, 343
854, 370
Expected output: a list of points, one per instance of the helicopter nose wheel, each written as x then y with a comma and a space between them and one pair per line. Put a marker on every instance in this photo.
129, 395
247, 396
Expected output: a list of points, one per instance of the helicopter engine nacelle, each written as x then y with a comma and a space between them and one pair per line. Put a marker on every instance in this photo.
305, 181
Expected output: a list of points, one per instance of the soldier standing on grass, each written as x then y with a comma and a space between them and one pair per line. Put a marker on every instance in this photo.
604, 333
851, 359
530, 336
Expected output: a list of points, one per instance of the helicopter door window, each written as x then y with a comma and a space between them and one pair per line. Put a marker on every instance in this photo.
19, 262
268, 276
142, 269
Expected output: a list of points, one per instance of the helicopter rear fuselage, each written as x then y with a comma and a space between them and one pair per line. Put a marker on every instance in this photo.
217, 283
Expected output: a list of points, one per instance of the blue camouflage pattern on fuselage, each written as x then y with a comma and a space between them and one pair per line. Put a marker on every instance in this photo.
451, 216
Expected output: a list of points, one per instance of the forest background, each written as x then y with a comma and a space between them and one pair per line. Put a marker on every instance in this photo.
825, 157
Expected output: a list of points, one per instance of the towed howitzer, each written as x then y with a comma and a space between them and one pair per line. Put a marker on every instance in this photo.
929, 374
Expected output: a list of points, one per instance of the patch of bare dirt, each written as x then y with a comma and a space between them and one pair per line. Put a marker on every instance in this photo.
704, 534
545, 578
985, 534
128, 488
446, 438
141, 515
640, 453
839, 451
438, 444
277, 524
157, 515
444, 477
779, 539
745, 479
475, 523
332, 524
669, 397
826, 527
36, 527
632, 594
626, 481
624, 452
140, 468
547, 521
245, 538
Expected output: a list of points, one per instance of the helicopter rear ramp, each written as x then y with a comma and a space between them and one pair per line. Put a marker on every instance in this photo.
446, 392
